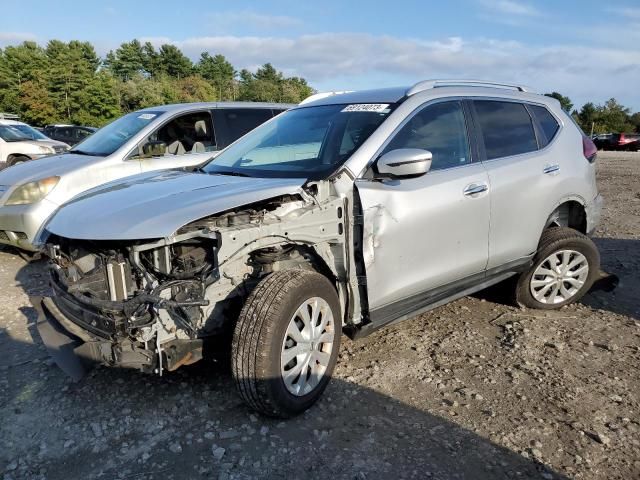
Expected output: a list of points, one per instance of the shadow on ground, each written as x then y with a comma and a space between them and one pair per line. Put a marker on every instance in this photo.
191, 424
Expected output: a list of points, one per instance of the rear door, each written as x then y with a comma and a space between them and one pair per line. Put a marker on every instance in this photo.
233, 123
519, 176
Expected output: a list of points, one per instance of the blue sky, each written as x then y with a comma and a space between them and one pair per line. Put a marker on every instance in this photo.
588, 50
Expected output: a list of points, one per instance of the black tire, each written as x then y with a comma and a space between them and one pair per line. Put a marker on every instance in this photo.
259, 334
18, 159
552, 240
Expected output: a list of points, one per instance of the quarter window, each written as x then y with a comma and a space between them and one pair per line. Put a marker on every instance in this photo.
506, 128
439, 128
547, 121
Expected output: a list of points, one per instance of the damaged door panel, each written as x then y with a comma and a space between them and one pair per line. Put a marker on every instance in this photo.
424, 228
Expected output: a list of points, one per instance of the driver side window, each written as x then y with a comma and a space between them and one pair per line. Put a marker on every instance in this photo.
186, 134
439, 128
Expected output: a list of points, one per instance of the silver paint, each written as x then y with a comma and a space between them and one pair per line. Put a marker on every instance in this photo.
156, 205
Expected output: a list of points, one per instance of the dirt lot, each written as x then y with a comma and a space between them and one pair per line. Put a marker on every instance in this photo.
476, 389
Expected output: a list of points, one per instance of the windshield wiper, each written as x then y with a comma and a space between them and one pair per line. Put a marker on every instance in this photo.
81, 152
232, 174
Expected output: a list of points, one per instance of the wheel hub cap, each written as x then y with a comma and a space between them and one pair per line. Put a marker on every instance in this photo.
307, 345
559, 277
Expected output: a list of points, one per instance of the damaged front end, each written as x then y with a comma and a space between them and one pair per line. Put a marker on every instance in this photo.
132, 305
152, 304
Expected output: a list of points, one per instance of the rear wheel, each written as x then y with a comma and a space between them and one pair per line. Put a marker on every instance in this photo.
285, 343
564, 268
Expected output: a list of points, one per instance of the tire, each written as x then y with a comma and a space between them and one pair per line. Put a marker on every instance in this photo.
566, 243
18, 159
262, 340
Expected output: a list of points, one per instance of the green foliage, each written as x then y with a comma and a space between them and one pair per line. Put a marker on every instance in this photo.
269, 85
66, 82
635, 121
612, 117
172, 62
565, 102
220, 73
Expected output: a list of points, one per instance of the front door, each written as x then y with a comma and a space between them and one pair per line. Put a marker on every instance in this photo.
189, 140
426, 232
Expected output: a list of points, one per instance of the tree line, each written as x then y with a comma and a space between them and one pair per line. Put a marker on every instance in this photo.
67, 82
609, 117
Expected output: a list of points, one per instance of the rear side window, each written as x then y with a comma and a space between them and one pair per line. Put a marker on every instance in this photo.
506, 128
242, 120
548, 123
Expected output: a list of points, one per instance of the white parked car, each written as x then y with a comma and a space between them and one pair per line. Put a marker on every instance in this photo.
156, 138
20, 142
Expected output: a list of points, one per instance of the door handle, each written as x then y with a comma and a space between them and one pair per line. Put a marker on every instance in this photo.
551, 169
475, 188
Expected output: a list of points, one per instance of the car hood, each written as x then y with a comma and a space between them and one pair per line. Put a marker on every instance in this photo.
155, 205
49, 142
44, 167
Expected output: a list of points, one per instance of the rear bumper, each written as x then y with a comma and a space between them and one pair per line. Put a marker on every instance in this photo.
594, 213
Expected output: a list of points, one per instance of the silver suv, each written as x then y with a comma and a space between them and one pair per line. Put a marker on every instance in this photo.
346, 214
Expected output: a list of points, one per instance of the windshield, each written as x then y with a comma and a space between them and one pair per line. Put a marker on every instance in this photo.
306, 142
110, 138
20, 133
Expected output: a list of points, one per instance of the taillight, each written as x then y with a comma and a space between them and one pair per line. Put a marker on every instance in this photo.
589, 149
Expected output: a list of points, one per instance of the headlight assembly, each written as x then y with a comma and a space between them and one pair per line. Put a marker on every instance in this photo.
44, 149
32, 192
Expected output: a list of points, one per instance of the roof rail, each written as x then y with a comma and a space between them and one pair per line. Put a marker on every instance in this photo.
428, 84
8, 116
321, 95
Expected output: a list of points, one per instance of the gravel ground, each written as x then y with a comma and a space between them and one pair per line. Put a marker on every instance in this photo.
475, 389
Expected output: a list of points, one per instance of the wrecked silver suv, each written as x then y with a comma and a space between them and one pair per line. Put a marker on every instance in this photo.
345, 214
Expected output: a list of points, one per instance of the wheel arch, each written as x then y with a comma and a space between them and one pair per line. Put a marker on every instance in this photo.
295, 255
569, 212
12, 157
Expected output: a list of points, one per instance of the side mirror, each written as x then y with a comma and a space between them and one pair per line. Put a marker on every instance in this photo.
404, 163
153, 149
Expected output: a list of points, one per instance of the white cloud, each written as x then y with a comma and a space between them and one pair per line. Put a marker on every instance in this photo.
342, 60
227, 20
12, 38
510, 7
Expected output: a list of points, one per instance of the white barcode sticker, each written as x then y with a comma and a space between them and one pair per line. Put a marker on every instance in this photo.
366, 107
147, 116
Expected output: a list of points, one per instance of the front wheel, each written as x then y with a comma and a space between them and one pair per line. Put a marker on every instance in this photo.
564, 268
285, 343
18, 159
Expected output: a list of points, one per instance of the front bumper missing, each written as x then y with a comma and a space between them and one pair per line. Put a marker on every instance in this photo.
74, 356
76, 350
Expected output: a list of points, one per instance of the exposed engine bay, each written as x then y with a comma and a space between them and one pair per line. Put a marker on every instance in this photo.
152, 305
